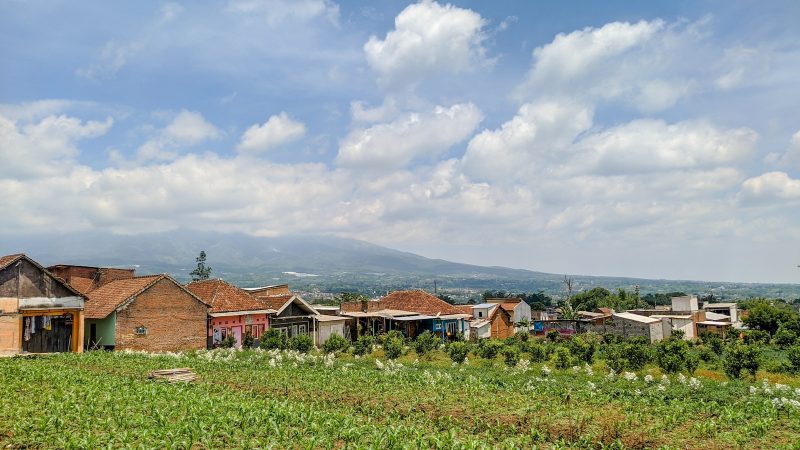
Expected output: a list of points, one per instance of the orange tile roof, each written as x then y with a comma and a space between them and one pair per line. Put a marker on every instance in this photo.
465, 309
82, 285
225, 297
104, 300
275, 302
509, 306
107, 298
8, 259
418, 301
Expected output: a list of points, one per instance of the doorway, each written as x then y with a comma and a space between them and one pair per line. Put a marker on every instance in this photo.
47, 334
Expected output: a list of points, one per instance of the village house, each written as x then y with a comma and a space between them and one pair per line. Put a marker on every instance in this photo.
152, 313
293, 316
491, 320
519, 310
39, 312
629, 325
234, 312
725, 309
411, 312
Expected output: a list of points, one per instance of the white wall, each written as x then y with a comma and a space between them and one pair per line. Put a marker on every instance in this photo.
687, 303
326, 329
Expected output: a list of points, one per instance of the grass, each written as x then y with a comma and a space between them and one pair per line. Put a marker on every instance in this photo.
279, 400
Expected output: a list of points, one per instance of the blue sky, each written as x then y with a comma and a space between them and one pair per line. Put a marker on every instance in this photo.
653, 139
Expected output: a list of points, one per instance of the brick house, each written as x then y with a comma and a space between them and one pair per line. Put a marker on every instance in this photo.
491, 320
152, 313
234, 311
39, 312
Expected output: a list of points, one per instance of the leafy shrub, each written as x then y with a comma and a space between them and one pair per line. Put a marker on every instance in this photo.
228, 342
522, 336
383, 337
553, 335
713, 341
426, 343
536, 351
739, 358
510, 355
615, 357
611, 338
457, 351
363, 345
678, 334
692, 361
393, 347
784, 337
636, 353
562, 358
756, 337
249, 341
582, 348
274, 339
335, 343
794, 358
489, 348
302, 343
706, 354
672, 355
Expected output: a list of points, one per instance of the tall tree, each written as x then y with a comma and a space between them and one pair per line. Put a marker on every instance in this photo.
201, 272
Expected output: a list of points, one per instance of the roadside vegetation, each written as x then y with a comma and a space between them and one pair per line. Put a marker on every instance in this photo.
588, 392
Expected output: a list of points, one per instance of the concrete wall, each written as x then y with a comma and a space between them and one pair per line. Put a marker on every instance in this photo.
106, 331
174, 320
326, 329
686, 303
240, 322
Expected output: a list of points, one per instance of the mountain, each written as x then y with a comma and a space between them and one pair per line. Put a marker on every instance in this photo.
325, 264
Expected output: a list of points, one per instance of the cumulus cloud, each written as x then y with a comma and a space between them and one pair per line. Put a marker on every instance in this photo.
771, 186
414, 135
276, 131
46, 147
428, 38
536, 135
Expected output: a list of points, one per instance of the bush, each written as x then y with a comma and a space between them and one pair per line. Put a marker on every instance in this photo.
510, 355
562, 358
393, 347
739, 358
302, 343
249, 341
522, 336
692, 361
707, 355
636, 353
553, 335
713, 341
794, 358
228, 342
536, 351
582, 348
457, 351
756, 337
784, 337
426, 343
489, 348
672, 355
615, 358
611, 338
363, 345
274, 339
678, 334
335, 343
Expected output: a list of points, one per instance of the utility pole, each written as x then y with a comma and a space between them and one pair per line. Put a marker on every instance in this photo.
435, 291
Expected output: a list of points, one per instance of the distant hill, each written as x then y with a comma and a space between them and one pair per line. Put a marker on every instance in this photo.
326, 264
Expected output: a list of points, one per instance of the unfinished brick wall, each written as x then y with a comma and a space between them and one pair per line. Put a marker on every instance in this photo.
502, 326
174, 320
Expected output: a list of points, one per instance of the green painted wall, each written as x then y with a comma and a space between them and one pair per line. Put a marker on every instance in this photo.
106, 330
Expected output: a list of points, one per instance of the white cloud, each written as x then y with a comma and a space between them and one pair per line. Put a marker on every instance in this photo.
428, 39
652, 145
771, 186
46, 147
536, 135
411, 136
278, 12
789, 159
186, 129
276, 131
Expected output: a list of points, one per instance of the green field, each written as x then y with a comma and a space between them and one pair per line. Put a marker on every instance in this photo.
257, 398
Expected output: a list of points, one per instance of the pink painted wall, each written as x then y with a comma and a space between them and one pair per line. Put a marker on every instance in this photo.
237, 325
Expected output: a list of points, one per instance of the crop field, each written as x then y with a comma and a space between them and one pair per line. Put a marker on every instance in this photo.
280, 399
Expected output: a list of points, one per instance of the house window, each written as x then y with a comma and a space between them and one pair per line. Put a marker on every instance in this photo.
141, 330
452, 328
302, 329
480, 314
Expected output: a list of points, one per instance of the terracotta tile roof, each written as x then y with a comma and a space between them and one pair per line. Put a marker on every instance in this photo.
104, 300
465, 309
509, 306
225, 297
418, 301
8, 259
82, 285
275, 302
